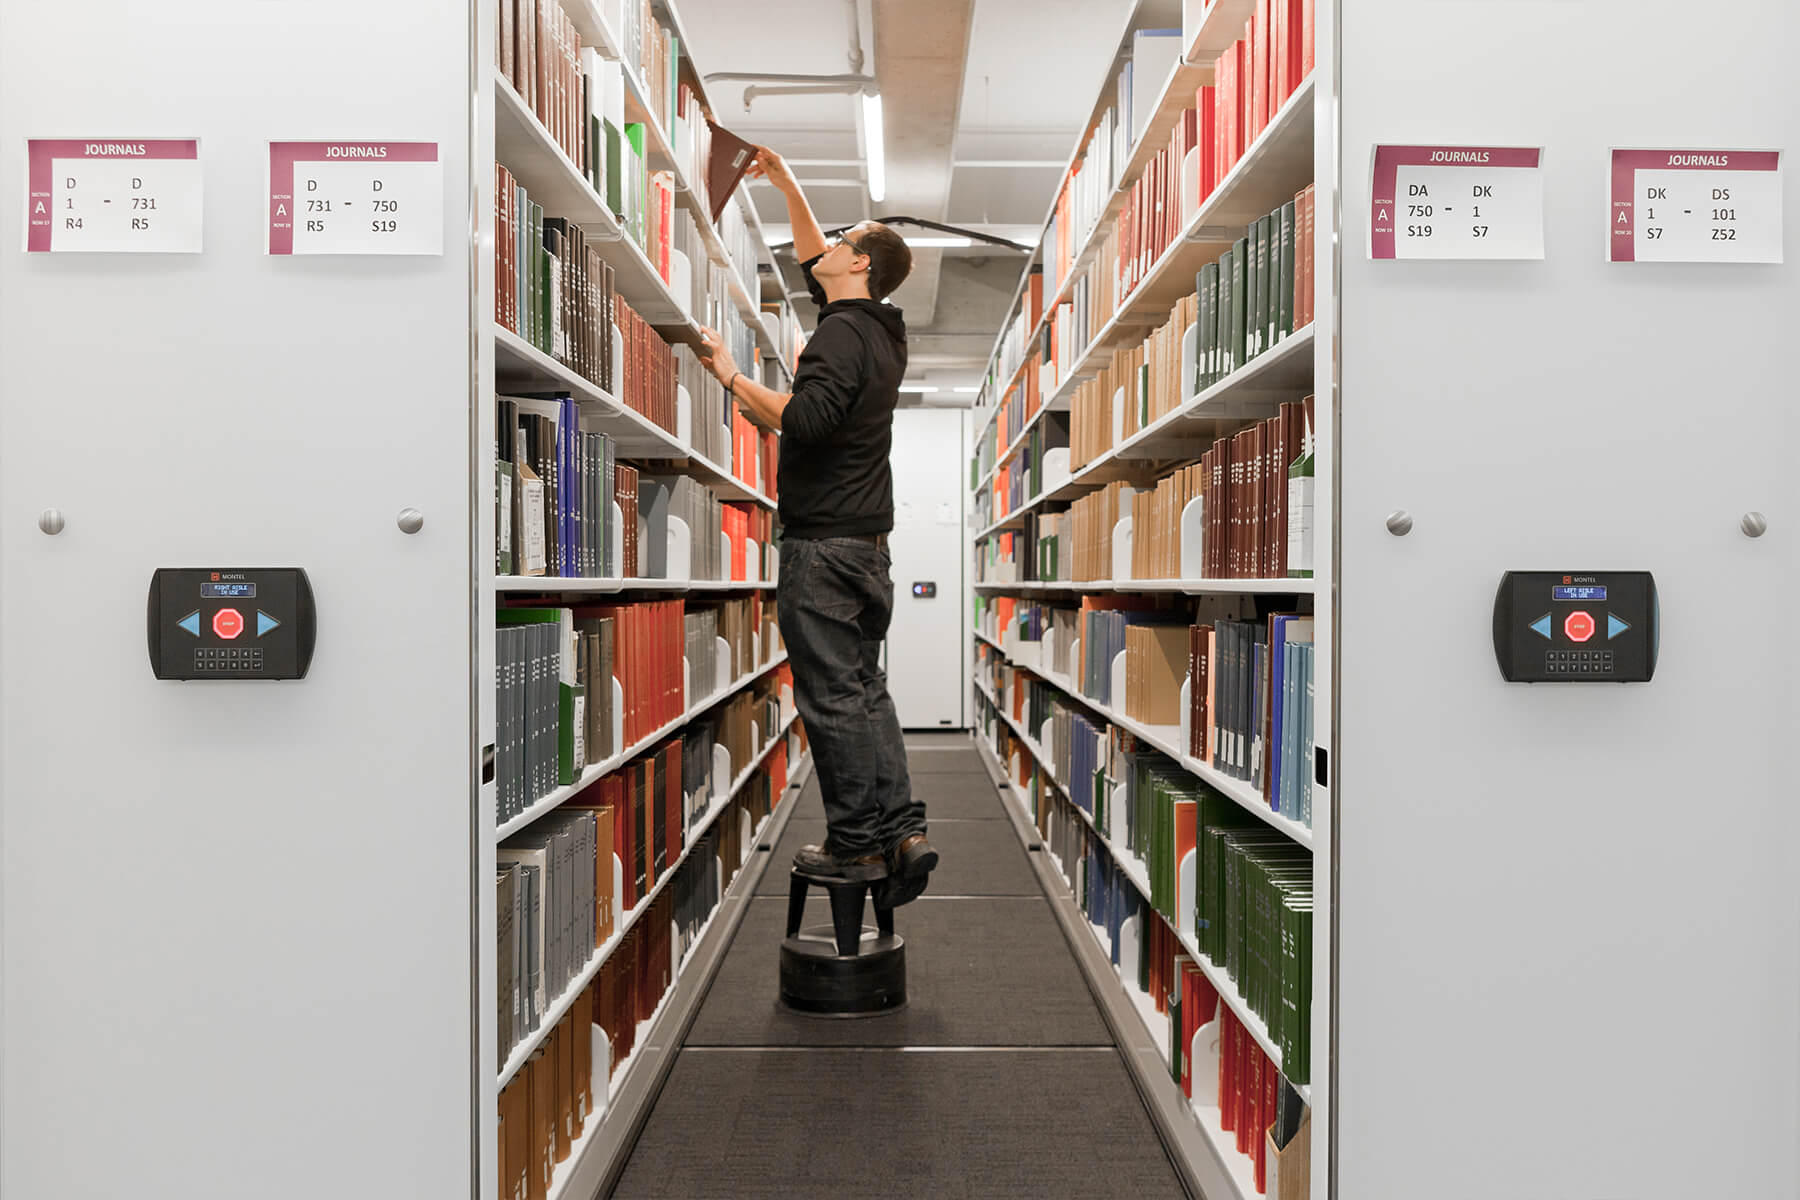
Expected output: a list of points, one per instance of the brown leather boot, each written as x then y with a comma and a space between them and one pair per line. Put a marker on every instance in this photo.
863, 868
910, 864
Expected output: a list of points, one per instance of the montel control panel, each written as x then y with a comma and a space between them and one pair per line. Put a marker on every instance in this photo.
1576, 627
231, 623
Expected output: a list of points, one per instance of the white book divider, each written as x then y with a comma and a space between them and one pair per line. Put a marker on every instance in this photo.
1015, 763
615, 553
601, 1061
787, 703
1118, 416
1047, 652
722, 661
1204, 1054
681, 283
679, 565
1190, 185
1115, 820
1186, 880
619, 912
1128, 951
752, 561
618, 723
755, 733
1116, 700
1190, 360
1121, 546
1186, 728
687, 674
724, 574
1056, 469
746, 835
618, 356
774, 569
721, 774
684, 415
1193, 539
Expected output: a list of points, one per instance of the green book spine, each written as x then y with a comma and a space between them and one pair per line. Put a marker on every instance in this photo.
615, 169
568, 734
1259, 254
1240, 296
1265, 319
1212, 324
1285, 277
1222, 320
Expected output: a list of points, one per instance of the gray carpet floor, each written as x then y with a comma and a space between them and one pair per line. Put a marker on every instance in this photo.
947, 796
998, 1079
837, 1124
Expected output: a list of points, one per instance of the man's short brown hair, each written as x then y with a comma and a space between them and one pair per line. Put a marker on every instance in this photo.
890, 258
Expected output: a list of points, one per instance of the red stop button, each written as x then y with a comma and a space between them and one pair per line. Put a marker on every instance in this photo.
229, 622
1579, 626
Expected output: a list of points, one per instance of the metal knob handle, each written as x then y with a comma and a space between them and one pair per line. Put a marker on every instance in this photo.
51, 521
1399, 522
410, 520
1754, 524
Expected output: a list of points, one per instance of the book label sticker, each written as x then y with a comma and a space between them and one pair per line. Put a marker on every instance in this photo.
355, 198
112, 195
1457, 202
1718, 206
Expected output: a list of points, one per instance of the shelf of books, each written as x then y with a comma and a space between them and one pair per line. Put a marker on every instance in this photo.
1152, 619
642, 708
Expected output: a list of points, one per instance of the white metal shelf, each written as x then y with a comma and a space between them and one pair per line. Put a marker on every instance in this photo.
1192, 587
520, 366
1165, 738
623, 926
549, 802
1262, 179
1135, 869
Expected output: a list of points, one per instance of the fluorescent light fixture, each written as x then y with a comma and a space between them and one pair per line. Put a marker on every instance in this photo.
876, 146
947, 243
917, 388
967, 391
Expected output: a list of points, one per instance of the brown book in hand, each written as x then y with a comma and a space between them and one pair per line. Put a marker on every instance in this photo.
731, 157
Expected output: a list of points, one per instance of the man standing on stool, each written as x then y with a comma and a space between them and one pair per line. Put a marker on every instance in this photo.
834, 595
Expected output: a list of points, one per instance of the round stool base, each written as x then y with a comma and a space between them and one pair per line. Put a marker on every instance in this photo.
818, 982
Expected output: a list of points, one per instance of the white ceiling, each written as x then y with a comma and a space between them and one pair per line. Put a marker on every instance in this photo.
1030, 71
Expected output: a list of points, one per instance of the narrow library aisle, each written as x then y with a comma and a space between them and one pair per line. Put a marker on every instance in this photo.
998, 1079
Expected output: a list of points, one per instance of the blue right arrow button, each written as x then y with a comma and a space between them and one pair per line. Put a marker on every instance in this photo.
264, 622
1614, 626
1542, 625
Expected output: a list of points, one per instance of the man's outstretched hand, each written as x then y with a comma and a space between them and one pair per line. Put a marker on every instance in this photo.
716, 358
772, 167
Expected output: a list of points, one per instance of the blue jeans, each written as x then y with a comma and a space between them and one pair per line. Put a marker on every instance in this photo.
834, 600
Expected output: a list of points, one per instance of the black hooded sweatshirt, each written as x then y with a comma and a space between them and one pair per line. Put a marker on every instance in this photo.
837, 430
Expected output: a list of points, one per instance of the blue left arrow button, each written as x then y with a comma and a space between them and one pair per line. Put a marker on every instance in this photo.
191, 623
1542, 625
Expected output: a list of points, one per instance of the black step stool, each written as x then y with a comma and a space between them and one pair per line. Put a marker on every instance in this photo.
844, 969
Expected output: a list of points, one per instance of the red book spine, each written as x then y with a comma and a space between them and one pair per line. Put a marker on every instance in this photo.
1228, 1045
1259, 97
1307, 33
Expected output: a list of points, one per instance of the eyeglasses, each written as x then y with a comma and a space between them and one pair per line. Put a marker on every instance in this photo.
844, 239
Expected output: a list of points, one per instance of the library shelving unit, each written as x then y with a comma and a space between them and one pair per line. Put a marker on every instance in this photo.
1118, 369
631, 61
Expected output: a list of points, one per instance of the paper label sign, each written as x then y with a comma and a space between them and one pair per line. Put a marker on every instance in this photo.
1457, 202
113, 195
1721, 206
355, 198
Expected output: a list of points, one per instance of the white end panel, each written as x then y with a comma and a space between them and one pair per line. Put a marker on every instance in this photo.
1569, 944
930, 483
235, 920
